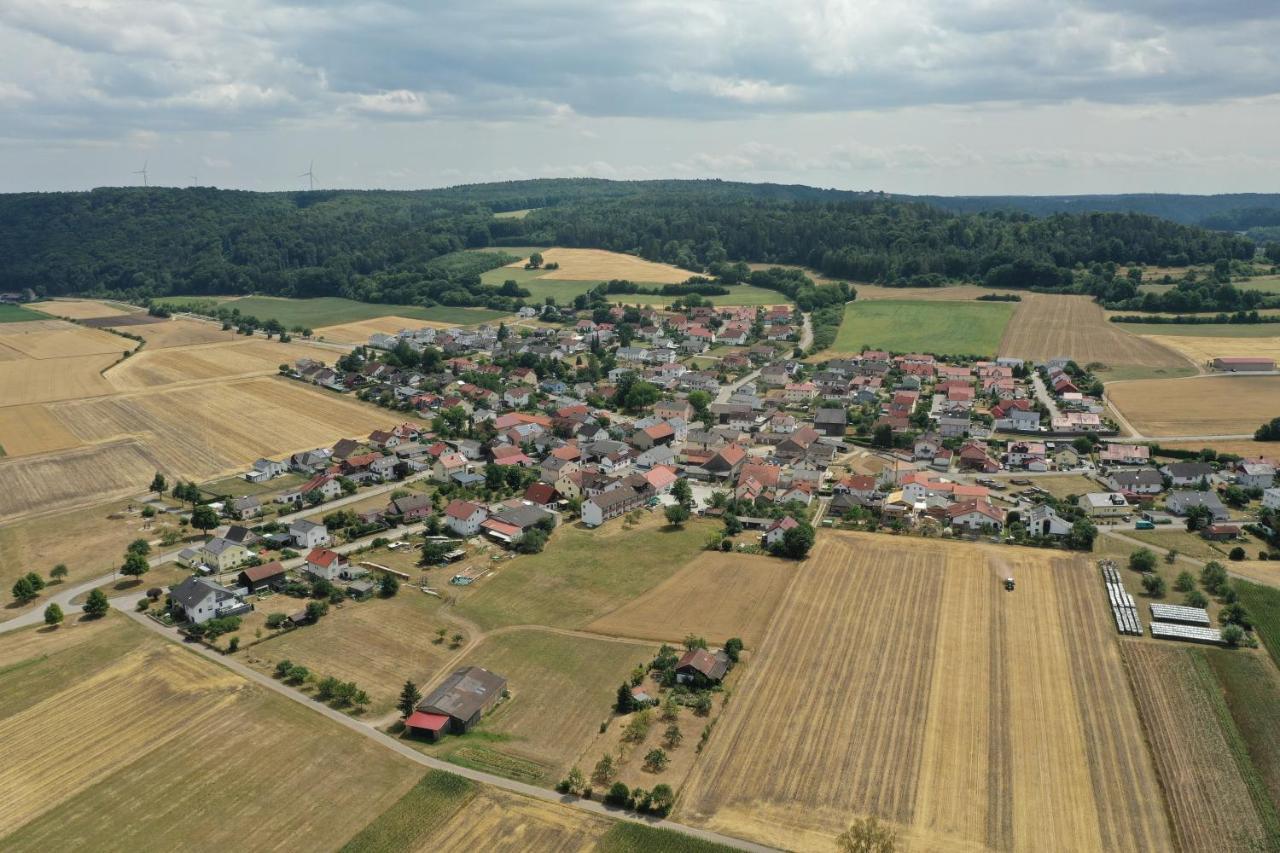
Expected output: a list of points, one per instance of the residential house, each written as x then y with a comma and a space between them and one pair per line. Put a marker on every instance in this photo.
1143, 481
326, 485
245, 507
600, 508
976, 515
1182, 474
308, 534
1181, 502
1043, 520
776, 531
412, 507
1255, 474
464, 517
198, 600
222, 554
1016, 416
1103, 504
1124, 454
1271, 498
831, 422
702, 668
330, 565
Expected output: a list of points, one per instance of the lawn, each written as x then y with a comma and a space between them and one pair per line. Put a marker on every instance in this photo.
237, 486
941, 328
1176, 536
582, 574
18, 314
333, 310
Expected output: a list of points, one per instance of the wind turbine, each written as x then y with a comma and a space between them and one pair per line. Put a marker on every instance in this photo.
143, 172
310, 175
195, 180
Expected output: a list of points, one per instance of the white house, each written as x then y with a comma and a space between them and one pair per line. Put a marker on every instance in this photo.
199, 599
307, 535
1255, 475
1042, 520
330, 565
464, 517
611, 504
778, 529
1271, 498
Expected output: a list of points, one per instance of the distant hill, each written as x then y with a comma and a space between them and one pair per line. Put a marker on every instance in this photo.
1228, 212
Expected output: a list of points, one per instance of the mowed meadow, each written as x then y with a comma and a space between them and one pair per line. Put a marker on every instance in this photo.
900, 679
81, 424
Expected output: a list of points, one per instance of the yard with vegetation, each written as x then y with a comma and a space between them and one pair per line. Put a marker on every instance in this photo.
960, 328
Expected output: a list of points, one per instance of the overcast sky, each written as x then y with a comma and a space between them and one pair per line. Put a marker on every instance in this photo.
918, 96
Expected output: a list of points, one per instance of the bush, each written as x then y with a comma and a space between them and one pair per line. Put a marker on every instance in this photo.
1195, 598
1233, 635
619, 795
1236, 554
275, 620
1143, 560
1186, 582
283, 668
1154, 585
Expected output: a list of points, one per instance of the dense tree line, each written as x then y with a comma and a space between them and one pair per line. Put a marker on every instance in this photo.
407, 247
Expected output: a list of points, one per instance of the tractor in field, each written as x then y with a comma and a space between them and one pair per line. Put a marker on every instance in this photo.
1008, 584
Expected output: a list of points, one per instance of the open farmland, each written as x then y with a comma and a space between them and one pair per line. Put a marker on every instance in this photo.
80, 309
195, 433
1251, 689
332, 311
180, 332
32, 429
982, 718
360, 331
152, 368
1200, 405
1046, 326
47, 339
561, 687
1204, 348
961, 328
601, 265
582, 575
377, 643
10, 313
24, 380
1197, 751
162, 747
716, 596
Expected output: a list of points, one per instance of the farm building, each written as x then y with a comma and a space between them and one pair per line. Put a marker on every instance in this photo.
458, 703
1244, 364
267, 576
701, 667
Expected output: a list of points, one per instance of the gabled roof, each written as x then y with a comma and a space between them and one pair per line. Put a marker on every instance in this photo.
464, 693
713, 666
461, 510
267, 570
323, 557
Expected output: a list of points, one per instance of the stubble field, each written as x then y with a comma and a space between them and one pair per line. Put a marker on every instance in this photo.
145, 746
80, 309
601, 265
979, 718
1046, 326
239, 357
1203, 349
1202, 405
716, 596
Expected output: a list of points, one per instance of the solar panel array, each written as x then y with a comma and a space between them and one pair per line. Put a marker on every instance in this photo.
1178, 613
1123, 606
1192, 633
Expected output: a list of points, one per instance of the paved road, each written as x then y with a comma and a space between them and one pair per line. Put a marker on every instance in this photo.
1043, 395
727, 391
408, 752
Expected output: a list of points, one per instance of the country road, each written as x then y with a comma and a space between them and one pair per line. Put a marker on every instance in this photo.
405, 751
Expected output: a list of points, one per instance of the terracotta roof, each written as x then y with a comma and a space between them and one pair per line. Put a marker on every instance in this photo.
323, 557
461, 510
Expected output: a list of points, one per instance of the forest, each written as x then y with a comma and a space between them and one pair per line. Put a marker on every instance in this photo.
408, 247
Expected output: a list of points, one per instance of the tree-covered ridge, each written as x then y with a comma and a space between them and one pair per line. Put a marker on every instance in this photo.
405, 247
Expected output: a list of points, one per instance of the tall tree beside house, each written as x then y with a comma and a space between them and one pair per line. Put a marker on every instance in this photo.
796, 542
97, 604
626, 701
388, 586
410, 696
677, 514
158, 484
682, 491
53, 615
204, 518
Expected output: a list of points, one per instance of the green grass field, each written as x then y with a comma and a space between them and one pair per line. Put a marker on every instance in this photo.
627, 837
564, 291
416, 816
1252, 692
582, 575
942, 328
10, 313
334, 310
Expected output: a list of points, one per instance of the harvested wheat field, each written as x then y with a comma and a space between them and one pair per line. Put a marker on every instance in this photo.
900, 679
495, 820
180, 332
360, 331
194, 433
151, 746
745, 591
377, 644
24, 380
31, 429
1200, 405
79, 309
1183, 714
48, 339
1241, 447
599, 265
152, 368
1203, 350
1046, 325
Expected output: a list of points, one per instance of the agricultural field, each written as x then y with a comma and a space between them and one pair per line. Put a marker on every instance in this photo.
1045, 326
716, 596
332, 311
960, 328
1200, 405
1208, 344
88, 541
80, 309
242, 357
58, 339
1251, 689
163, 747
179, 332
1240, 447
360, 331
984, 719
377, 643
197, 433
10, 313
24, 380
953, 293
600, 265
32, 429
561, 687
1216, 800
582, 575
